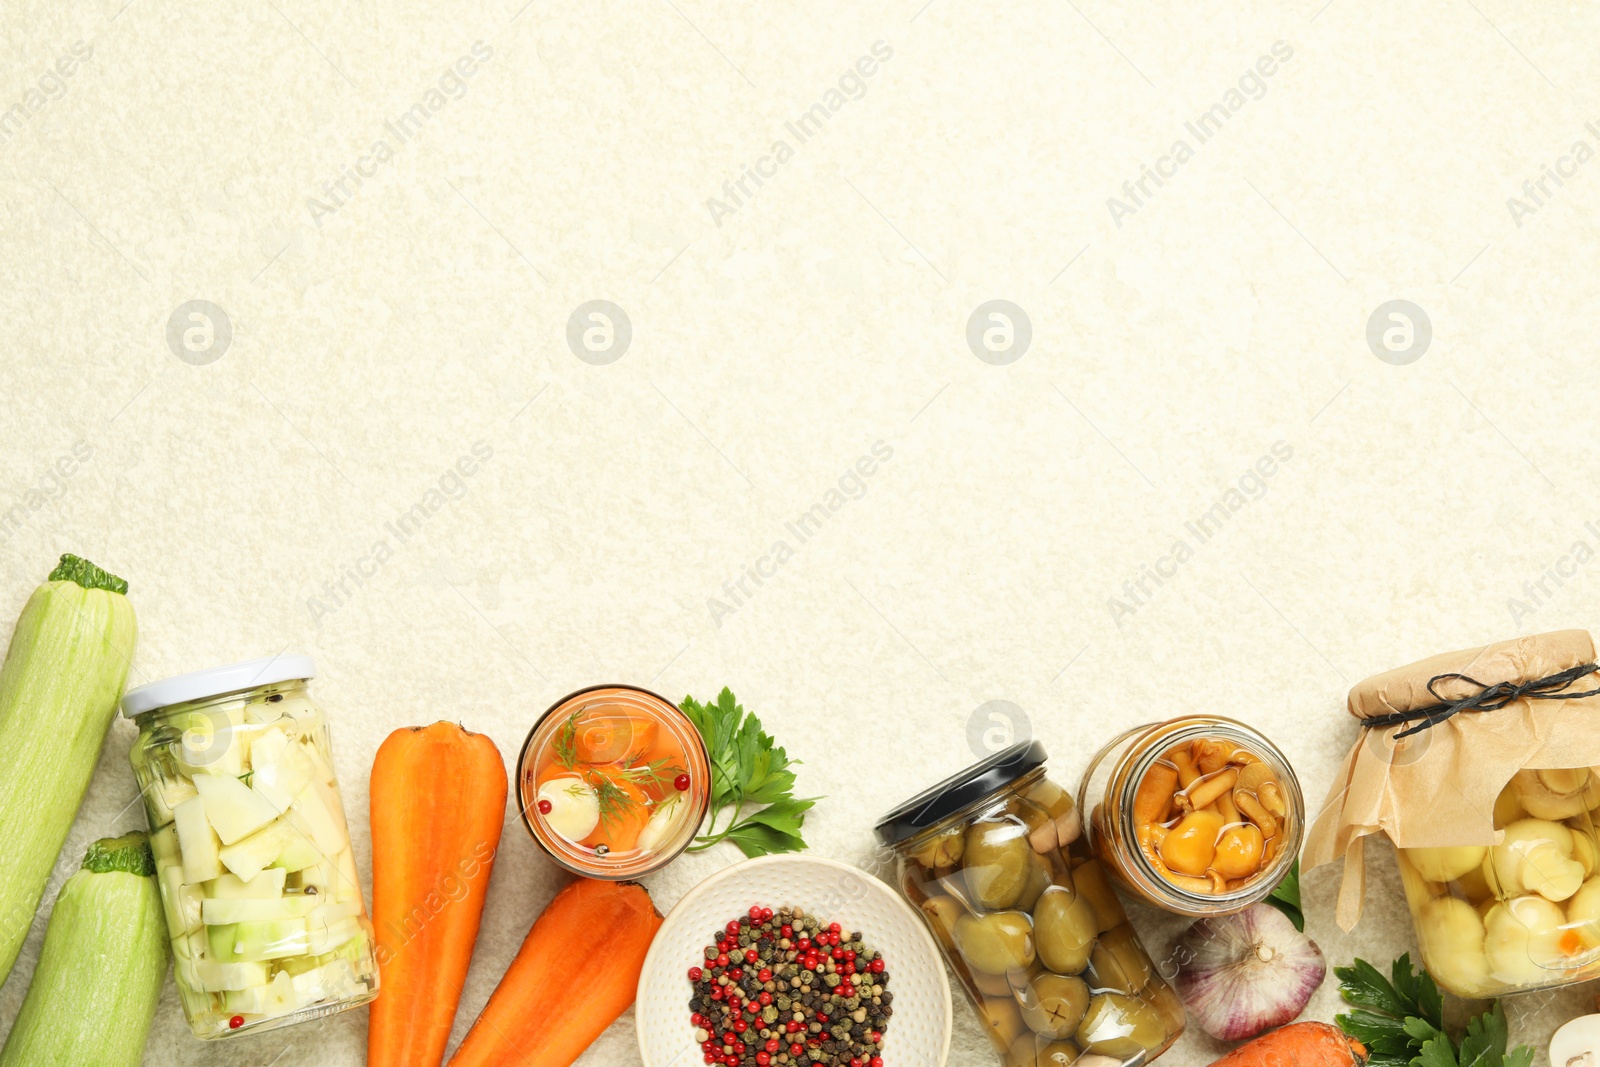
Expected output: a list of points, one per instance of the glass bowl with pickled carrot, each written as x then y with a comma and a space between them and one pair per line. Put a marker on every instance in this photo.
613, 782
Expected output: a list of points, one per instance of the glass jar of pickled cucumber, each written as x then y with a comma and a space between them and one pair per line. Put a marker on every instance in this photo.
262, 899
1200, 815
1523, 914
994, 859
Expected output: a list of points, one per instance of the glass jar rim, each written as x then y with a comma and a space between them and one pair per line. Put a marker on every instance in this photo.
973, 812
217, 681
568, 856
1136, 766
962, 790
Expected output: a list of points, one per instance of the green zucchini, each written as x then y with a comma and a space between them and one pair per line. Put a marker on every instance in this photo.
99, 977
59, 688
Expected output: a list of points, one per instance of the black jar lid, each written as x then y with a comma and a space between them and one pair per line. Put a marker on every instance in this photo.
960, 791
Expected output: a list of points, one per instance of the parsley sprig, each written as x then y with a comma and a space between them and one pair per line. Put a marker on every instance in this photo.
1286, 897
1401, 1021
748, 770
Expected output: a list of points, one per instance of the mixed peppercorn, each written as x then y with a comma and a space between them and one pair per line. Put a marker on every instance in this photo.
782, 988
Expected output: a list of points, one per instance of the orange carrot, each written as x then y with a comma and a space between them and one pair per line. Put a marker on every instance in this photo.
619, 829
438, 806
614, 738
541, 1015
1299, 1045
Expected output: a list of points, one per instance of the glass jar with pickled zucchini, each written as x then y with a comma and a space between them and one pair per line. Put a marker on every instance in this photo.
1523, 914
1200, 815
262, 899
994, 859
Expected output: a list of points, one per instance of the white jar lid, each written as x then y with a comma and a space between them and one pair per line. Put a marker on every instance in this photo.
215, 681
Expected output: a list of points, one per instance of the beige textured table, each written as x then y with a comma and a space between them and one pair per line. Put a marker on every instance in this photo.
267, 271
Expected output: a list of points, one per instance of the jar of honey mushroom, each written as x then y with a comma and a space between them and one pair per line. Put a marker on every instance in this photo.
1200, 815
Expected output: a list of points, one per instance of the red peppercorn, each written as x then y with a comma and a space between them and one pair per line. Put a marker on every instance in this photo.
786, 930
681, 783
821, 1018
875, 1037
722, 960
713, 1059
755, 913
803, 944
695, 974
752, 956
765, 998
236, 1022
876, 1061
716, 992
773, 1045
876, 967
736, 974
740, 1026
739, 1047
545, 807
766, 914
763, 1059
834, 928
855, 1061
733, 928
850, 954
764, 975
797, 1051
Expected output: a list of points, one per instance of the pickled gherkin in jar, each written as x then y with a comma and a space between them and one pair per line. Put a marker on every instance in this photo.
997, 863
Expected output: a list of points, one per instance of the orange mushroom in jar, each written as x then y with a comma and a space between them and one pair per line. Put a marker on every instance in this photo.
1209, 816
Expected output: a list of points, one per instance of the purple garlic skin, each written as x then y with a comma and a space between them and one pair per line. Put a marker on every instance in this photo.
1242, 975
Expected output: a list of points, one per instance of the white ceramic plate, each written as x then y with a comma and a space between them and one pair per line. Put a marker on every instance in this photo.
918, 1034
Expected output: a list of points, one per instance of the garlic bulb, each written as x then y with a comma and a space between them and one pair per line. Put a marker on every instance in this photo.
1241, 975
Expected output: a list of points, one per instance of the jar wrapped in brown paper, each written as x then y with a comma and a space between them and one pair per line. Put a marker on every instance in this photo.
1483, 768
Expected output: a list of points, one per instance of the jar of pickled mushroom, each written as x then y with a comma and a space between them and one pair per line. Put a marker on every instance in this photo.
994, 859
1200, 815
258, 882
614, 782
1483, 769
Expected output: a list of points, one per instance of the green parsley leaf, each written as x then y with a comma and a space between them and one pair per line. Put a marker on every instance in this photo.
748, 769
1286, 898
756, 840
1484, 1043
1364, 985
1401, 1021
1436, 1052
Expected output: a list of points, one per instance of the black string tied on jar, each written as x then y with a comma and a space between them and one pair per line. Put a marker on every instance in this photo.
1488, 698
